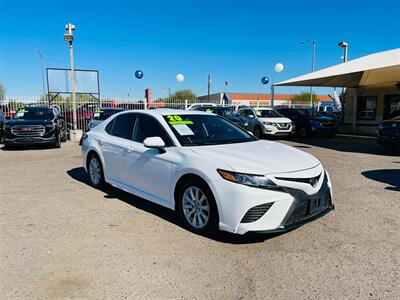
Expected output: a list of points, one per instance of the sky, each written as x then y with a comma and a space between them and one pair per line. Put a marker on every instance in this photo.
234, 41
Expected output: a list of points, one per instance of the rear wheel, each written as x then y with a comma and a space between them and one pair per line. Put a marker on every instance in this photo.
95, 171
197, 207
64, 136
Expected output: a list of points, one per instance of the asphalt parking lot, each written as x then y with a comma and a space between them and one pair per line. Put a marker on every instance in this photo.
62, 239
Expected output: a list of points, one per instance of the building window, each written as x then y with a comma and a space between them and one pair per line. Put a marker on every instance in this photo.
392, 104
366, 108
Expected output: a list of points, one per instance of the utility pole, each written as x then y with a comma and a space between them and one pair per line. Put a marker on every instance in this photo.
314, 44
209, 87
69, 37
345, 47
43, 82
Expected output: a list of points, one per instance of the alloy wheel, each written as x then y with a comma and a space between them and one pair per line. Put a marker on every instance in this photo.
196, 207
95, 171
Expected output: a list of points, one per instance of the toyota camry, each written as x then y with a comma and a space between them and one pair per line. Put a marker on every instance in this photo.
212, 172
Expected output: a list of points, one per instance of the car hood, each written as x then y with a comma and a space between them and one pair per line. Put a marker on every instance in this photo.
258, 157
12, 122
276, 120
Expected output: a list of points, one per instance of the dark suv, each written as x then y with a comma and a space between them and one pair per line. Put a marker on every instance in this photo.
309, 121
2, 122
35, 125
389, 132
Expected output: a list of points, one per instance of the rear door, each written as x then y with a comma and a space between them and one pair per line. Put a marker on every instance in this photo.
116, 146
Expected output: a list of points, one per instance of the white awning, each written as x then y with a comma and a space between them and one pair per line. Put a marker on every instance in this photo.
382, 68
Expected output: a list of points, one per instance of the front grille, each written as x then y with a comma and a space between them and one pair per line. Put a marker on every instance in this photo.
255, 213
28, 130
312, 181
283, 125
328, 124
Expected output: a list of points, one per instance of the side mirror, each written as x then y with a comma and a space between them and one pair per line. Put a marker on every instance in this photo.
251, 117
154, 142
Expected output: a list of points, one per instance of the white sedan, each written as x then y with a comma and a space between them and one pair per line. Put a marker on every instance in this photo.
215, 174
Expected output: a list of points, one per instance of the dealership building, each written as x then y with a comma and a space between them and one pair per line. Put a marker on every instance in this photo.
254, 99
372, 85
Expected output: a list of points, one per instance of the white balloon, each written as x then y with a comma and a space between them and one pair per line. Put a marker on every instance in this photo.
278, 68
180, 78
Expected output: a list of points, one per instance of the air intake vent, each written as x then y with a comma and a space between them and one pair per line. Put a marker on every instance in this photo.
255, 213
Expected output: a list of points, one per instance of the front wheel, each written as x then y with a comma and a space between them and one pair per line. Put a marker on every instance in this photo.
57, 143
257, 132
197, 207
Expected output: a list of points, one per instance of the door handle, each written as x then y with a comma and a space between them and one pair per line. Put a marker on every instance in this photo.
101, 142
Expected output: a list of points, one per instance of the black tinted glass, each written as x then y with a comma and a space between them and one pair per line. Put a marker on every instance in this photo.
123, 126
149, 127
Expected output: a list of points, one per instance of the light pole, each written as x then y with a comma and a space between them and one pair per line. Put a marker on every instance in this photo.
314, 44
43, 82
69, 37
345, 47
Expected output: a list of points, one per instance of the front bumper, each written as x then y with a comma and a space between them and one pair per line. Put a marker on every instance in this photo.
30, 140
388, 140
287, 208
272, 130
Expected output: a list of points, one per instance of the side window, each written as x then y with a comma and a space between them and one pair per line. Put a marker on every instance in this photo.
109, 127
150, 127
250, 113
123, 126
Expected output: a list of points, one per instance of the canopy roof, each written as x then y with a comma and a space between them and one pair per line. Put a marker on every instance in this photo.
382, 68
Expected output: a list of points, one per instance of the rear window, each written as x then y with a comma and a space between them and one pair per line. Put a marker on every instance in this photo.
103, 114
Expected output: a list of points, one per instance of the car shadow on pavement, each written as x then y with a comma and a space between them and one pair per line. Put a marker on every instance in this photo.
388, 176
344, 143
26, 147
164, 213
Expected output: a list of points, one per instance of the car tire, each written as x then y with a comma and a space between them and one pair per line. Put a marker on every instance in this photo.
197, 207
95, 171
64, 136
304, 132
257, 132
57, 143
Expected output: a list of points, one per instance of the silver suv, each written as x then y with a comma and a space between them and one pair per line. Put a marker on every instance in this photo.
266, 121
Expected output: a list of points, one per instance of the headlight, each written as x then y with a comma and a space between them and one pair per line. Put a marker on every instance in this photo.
268, 123
259, 181
246, 124
7, 126
51, 126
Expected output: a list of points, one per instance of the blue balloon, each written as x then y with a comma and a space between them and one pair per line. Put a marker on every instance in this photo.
265, 80
139, 74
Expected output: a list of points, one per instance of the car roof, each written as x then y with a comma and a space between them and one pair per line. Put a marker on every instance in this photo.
111, 108
168, 111
263, 108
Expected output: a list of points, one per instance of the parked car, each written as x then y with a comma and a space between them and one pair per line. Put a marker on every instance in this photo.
389, 132
101, 114
330, 111
215, 174
225, 112
84, 113
310, 122
197, 105
2, 123
35, 125
8, 112
131, 105
268, 121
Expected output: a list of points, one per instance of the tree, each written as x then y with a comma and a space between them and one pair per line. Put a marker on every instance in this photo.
2, 92
182, 95
304, 97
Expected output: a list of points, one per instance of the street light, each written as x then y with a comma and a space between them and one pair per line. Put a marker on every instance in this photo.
314, 44
345, 46
69, 37
41, 63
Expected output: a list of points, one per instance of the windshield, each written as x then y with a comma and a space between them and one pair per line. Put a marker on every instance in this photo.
309, 113
101, 115
224, 112
34, 113
200, 130
267, 113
